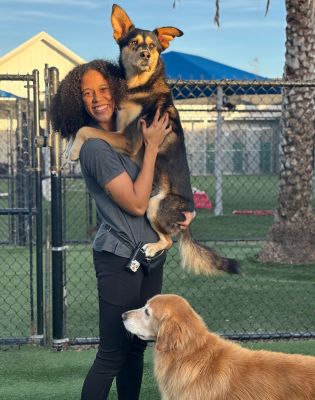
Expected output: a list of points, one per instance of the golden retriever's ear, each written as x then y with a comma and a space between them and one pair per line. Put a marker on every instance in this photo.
166, 34
171, 336
121, 23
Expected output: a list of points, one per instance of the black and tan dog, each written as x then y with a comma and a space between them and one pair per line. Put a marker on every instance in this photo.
147, 90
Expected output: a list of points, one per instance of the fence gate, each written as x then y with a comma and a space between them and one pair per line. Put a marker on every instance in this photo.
21, 255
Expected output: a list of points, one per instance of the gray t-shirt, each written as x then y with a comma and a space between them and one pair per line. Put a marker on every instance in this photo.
100, 163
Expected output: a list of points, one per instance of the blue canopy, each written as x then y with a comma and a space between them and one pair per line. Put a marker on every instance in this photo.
186, 66
3, 93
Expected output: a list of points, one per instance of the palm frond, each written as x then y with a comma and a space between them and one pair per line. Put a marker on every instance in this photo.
267, 7
217, 13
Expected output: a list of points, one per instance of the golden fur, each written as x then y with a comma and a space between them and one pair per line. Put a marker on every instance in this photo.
192, 363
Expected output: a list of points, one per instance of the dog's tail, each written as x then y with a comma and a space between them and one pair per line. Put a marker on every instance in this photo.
200, 259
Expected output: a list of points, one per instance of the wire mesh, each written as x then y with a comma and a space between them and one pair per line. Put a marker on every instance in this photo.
233, 139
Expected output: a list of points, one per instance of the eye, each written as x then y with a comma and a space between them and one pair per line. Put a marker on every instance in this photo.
87, 93
151, 46
133, 43
104, 89
146, 311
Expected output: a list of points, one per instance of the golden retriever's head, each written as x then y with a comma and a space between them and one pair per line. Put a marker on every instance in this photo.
169, 321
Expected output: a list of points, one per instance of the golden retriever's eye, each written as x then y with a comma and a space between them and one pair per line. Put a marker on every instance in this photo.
133, 43
146, 311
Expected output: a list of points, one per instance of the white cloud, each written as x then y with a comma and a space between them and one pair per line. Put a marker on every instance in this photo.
264, 23
78, 3
26, 16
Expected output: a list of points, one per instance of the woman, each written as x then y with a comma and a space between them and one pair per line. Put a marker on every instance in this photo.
121, 191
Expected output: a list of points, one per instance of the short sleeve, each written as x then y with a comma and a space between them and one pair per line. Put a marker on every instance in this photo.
100, 161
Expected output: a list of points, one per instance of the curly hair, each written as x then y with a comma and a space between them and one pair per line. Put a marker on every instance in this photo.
67, 111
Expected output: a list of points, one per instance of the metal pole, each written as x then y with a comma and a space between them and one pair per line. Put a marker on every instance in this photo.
218, 159
39, 208
57, 246
10, 175
29, 193
20, 190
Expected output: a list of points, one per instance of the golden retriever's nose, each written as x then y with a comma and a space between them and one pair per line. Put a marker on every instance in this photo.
124, 316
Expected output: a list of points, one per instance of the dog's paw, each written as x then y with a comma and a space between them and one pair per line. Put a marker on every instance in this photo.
74, 153
151, 249
73, 149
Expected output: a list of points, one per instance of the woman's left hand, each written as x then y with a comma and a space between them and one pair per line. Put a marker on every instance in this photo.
154, 134
189, 217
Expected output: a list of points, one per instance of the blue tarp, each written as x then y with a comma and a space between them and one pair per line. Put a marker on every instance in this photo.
3, 93
186, 66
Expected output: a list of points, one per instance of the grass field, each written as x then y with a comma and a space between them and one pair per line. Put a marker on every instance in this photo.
265, 298
240, 192
32, 373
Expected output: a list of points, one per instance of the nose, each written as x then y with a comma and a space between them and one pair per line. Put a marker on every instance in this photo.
96, 96
145, 54
124, 316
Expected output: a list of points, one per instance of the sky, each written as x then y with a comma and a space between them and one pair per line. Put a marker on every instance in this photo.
246, 38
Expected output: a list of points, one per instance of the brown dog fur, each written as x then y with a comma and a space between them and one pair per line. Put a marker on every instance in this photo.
190, 363
147, 90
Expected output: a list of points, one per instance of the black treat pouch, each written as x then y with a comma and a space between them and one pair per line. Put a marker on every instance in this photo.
139, 259
136, 259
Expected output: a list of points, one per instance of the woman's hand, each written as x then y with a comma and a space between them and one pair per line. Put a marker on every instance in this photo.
189, 217
154, 134
134, 196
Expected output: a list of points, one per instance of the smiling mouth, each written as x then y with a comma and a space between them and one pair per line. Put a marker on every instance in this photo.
102, 108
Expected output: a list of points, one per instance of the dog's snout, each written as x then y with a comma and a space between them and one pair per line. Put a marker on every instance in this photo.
145, 54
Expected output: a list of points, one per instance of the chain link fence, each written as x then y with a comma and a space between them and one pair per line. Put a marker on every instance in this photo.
21, 288
233, 136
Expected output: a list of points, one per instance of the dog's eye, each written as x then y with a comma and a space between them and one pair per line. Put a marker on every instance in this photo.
151, 46
146, 311
133, 43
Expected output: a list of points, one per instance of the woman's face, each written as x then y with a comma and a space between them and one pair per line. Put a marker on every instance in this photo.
97, 98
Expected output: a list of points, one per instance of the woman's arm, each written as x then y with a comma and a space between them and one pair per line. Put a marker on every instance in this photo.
134, 196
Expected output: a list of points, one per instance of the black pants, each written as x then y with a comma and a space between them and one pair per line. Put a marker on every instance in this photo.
120, 354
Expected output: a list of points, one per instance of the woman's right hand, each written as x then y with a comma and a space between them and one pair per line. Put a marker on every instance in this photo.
154, 134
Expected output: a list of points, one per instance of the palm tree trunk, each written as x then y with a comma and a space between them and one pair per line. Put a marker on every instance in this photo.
292, 236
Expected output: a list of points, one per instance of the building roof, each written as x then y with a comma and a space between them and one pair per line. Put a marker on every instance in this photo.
3, 93
187, 66
48, 41
34, 54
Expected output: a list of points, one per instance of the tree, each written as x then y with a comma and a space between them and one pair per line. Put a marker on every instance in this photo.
292, 236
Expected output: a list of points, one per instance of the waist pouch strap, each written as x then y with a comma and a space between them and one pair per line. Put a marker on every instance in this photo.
150, 263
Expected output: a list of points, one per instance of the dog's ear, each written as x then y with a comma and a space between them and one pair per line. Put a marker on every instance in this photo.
121, 23
166, 34
171, 336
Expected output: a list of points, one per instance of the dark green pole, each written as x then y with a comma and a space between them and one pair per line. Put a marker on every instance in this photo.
57, 246
39, 207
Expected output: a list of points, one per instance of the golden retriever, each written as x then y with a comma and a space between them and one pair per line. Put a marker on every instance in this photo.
191, 363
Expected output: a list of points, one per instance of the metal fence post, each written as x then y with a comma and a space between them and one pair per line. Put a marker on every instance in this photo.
39, 208
57, 247
218, 161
